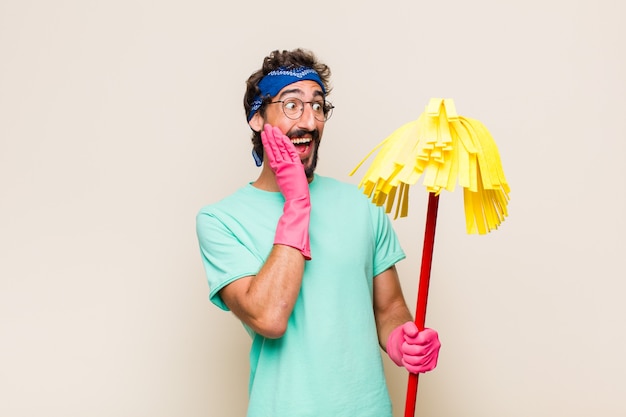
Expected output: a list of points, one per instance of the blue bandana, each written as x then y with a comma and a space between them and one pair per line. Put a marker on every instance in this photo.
278, 79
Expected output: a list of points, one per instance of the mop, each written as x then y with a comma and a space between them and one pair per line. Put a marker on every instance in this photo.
443, 148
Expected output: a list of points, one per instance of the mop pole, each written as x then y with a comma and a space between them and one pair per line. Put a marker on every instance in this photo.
422, 293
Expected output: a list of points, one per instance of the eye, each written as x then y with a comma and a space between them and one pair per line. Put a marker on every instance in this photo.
291, 105
318, 106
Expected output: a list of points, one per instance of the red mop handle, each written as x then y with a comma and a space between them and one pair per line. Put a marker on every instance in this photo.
422, 292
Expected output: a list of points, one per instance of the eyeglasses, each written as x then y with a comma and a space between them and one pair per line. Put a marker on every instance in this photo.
294, 108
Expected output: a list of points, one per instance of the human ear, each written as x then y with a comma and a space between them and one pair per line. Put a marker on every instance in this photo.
256, 123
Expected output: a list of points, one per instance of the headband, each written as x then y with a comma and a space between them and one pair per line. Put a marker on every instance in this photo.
278, 79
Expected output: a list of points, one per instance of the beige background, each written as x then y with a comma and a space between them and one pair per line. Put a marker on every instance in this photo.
120, 119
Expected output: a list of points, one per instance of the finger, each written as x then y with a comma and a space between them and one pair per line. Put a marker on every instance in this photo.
422, 367
428, 336
426, 357
279, 141
410, 329
270, 142
422, 350
422, 357
428, 362
425, 336
415, 353
287, 148
426, 343
290, 152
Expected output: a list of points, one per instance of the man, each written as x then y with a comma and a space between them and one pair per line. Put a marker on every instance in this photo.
307, 262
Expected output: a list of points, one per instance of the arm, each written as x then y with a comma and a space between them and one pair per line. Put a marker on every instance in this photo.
390, 309
265, 301
417, 351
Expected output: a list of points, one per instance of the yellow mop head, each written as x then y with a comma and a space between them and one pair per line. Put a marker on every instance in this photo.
443, 147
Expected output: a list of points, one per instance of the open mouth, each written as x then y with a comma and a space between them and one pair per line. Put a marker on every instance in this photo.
302, 144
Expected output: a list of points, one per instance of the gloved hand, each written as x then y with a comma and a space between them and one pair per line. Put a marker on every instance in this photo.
293, 226
416, 351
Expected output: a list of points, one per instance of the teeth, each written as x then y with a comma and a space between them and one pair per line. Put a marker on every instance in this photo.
299, 141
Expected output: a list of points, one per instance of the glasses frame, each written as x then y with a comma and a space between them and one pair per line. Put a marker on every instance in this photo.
328, 108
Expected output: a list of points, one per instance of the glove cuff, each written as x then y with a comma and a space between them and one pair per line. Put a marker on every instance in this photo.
394, 345
293, 227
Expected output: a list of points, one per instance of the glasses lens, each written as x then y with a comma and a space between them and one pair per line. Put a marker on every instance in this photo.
328, 110
294, 108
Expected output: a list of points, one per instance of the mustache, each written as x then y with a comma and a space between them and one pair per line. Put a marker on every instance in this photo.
315, 134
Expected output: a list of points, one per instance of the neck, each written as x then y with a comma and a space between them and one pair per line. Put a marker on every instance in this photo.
267, 180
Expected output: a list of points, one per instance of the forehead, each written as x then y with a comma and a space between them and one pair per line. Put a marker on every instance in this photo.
306, 88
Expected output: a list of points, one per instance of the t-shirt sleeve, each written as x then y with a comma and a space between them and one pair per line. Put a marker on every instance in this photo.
224, 256
387, 251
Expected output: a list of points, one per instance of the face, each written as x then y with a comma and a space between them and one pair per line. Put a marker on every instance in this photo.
305, 132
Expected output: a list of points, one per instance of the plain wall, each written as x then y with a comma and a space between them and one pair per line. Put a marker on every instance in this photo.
120, 119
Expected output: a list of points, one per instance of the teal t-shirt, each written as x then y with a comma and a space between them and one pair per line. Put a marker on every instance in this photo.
328, 363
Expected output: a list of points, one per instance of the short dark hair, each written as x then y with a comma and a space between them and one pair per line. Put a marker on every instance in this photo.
289, 59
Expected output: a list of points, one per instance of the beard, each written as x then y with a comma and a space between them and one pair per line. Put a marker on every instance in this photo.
309, 169
311, 162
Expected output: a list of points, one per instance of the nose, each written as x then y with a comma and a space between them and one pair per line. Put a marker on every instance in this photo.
307, 120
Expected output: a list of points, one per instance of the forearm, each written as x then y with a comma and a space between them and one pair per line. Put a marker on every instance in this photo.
389, 319
265, 301
390, 309
398, 335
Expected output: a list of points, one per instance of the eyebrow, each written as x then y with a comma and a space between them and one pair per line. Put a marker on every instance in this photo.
316, 93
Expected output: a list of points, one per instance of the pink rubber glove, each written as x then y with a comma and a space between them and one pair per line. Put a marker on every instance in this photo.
293, 226
416, 351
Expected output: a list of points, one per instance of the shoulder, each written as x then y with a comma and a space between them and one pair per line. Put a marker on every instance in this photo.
243, 195
239, 212
219, 213
336, 187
